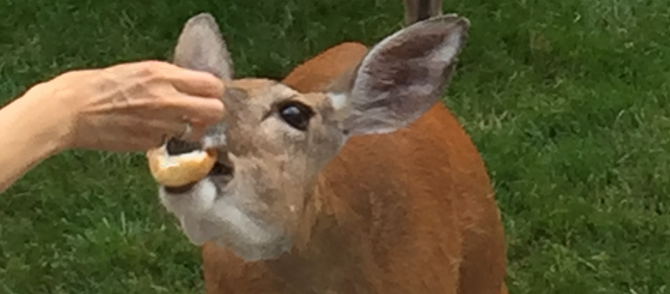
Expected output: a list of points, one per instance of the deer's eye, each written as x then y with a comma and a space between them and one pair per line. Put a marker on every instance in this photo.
296, 114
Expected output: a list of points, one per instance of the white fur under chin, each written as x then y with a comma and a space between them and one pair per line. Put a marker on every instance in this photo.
204, 217
191, 209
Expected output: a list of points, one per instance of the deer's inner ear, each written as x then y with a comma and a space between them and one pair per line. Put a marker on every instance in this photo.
404, 75
201, 47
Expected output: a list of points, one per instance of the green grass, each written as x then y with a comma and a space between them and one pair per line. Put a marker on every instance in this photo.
566, 100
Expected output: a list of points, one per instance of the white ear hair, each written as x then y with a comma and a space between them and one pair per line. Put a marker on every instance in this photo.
338, 100
404, 75
201, 47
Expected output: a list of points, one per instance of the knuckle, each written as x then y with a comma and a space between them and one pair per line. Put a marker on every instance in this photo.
152, 70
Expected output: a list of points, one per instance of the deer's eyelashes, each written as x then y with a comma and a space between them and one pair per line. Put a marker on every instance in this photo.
295, 114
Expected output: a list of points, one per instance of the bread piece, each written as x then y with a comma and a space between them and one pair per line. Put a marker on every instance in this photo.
182, 169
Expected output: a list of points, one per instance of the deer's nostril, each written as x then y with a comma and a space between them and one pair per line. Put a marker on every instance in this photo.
176, 146
220, 169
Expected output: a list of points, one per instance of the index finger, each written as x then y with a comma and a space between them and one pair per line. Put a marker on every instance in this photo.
199, 110
196, 83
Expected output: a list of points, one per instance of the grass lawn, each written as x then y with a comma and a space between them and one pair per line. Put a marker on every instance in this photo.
566, 100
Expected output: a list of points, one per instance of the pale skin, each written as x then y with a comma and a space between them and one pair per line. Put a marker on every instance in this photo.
129, 107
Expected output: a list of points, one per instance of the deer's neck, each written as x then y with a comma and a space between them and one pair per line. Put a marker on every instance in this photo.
327, 249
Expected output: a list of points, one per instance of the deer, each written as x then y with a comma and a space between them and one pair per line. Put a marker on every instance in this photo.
348, 176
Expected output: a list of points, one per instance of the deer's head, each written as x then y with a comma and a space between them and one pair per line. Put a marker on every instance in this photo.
274, 141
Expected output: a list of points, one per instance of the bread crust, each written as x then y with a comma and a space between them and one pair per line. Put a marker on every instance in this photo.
180, 170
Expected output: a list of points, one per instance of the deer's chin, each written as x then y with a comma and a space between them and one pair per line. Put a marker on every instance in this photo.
211, 212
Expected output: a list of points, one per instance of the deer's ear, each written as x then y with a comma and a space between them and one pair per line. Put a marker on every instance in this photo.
201, 47
402, 76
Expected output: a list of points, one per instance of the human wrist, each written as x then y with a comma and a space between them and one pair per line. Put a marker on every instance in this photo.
33, 128
48, 115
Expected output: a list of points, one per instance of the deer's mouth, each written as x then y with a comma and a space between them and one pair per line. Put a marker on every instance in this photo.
179, 165
180, 189
220, 171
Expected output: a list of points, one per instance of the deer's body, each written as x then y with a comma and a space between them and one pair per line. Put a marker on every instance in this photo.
405, 211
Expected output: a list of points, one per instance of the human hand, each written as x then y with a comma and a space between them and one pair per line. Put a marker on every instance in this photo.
133, 106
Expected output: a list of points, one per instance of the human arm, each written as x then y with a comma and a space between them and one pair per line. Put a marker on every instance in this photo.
29, 133
127, 107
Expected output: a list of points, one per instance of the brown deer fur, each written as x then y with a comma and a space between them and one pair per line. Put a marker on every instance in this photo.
406, 212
